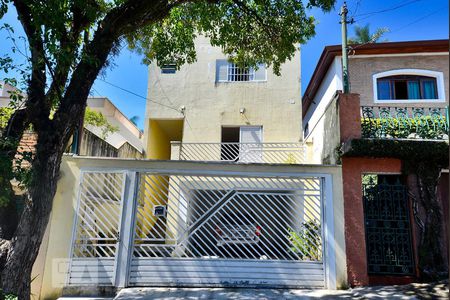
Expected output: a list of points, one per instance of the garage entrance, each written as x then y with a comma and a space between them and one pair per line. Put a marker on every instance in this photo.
234, 230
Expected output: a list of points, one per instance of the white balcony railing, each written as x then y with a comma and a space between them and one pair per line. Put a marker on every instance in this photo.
287, 153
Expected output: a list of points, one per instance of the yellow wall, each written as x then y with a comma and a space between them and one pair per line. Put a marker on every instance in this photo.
55, 256
158, 144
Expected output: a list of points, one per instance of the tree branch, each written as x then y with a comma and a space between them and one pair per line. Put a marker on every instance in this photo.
116, 23
36, 107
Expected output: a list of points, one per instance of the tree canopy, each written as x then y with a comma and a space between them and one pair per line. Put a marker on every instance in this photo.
363, 35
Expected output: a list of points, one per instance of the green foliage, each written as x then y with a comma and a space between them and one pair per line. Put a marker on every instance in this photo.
363, 35
7, 296
305, 242
97, 119
425, 127
411, 151
5, 115
249, 32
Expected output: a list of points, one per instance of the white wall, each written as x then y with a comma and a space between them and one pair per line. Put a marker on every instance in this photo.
315, 117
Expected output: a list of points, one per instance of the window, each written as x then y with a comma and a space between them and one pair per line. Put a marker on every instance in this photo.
408, 85
230, 72
402, 87
169, 69
236, 73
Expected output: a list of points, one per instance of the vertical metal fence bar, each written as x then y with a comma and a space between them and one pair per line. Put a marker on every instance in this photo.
126, 234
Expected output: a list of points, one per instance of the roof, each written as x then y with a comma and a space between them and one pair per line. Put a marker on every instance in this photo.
128, 132
330, 52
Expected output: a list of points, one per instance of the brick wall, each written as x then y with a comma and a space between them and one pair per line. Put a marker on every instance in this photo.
361, 70
27, 144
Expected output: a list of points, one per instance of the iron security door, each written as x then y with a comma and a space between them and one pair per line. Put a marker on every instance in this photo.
228, 231
97, 229
387, 225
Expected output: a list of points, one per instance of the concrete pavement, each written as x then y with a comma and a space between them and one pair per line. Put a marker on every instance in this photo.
396, 292
404, 292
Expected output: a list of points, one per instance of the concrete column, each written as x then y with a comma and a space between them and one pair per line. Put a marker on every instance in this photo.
175, 150
349, 116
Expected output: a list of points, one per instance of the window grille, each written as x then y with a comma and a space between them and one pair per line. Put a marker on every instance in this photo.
227, 71
236, 73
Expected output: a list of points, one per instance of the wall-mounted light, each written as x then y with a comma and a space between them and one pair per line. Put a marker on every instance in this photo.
242, 110
182, 109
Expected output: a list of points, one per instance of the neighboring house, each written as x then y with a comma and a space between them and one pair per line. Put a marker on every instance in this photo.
399, 101
125, 142
225, 199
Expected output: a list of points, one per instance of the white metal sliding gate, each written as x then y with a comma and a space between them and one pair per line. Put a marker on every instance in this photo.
97, 228
183, 229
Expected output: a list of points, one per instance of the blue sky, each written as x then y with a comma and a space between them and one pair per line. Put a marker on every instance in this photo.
406, 19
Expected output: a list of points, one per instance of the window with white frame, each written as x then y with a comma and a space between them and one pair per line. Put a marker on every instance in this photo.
408, 85
230, 72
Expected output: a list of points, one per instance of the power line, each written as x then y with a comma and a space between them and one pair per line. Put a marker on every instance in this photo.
355, 9
400, 28
370, 14
418, 20
137, 95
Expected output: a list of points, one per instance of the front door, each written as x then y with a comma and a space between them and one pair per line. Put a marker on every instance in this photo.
250, 139
387, 224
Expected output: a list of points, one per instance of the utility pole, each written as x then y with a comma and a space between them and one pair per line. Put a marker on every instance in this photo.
344, 22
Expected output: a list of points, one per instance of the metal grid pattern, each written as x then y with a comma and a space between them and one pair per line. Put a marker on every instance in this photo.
98, 215
404, 122
388, 232
224, 217
236, 73
289, 153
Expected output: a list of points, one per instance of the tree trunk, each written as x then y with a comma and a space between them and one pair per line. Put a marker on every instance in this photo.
24, 248
431, 260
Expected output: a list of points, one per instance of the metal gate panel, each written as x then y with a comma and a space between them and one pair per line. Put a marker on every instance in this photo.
387, 226
228, 231
220, 272
97, 228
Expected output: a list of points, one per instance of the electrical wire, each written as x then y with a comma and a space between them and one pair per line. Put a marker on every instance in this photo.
418, 20
370, 14
355, 9
351, 48
137, 95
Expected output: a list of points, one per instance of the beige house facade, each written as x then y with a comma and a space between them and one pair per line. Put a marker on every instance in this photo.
209, 100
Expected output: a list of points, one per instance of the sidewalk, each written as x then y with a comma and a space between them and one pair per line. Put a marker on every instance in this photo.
409, 292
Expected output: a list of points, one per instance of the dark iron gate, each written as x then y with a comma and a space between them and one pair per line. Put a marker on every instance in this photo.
387, 226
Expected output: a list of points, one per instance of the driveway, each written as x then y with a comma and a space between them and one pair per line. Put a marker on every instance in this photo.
410, 291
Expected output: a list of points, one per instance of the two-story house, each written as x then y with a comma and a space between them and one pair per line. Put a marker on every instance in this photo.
220, 112
224, 199
389, 132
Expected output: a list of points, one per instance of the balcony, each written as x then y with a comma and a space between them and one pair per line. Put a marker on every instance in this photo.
276, 153
387, 122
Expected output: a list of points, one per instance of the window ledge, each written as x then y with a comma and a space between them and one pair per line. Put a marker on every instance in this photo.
377, 101
246, 82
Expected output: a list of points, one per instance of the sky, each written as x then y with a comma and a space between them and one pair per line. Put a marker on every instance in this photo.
125, 84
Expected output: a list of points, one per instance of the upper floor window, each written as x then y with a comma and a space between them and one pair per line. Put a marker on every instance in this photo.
230, 72
169, 69
402, 87
408, 85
